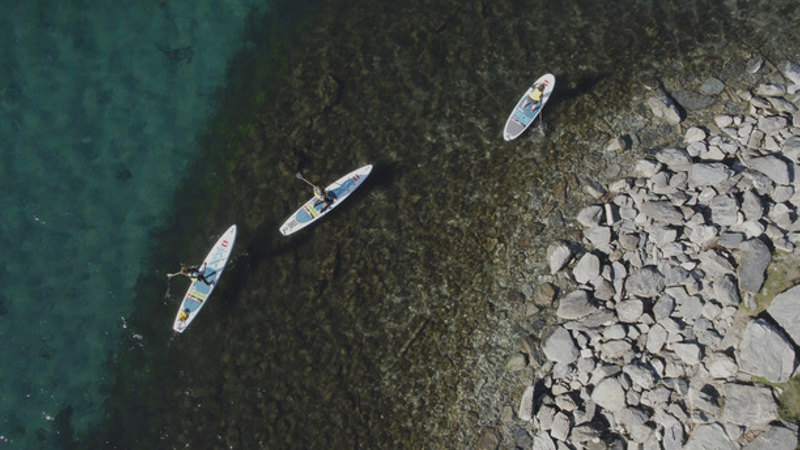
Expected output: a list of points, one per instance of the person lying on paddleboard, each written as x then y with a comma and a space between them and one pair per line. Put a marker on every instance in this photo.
193, 273
534, 97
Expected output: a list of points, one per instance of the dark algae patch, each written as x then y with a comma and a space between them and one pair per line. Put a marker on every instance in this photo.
388, 323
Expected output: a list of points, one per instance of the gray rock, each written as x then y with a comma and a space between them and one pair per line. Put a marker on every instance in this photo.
665, 108
647, 168
640, 375
543, 441
726, 292
754, 260
590, 216
772, 123
705, 174
598, 236
750, 406
776, 437
782, 105
790, 70
692, 101
629, 311
785, 310
765, 351
575, 305
712, 86
689, 353
558, 255
710, 437
587, 268
720, 365
618, 143
777, 169
752, 206
663, 307
525, 411
771, 90
755, 64
694, 134
656, 337
561, 427
723, 120
645, 282
560, 347
613, 350
609, 395
724, 210
662, 211
673, 437
703, 235
675, 158
584, 433
730, 240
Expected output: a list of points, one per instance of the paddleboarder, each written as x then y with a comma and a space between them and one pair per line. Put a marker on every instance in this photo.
193, 273
322, 195
534, 97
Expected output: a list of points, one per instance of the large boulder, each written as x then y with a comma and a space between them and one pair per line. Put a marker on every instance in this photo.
765, 351
755, 258
785, 310
750, 406
710, 437
777, 437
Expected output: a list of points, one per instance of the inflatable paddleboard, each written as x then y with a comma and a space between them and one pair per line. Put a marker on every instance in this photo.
198, 292
313, 209
523, 114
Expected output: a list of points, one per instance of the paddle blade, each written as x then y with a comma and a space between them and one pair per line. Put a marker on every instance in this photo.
299, 175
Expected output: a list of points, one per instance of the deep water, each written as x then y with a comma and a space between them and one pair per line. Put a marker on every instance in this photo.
103, 105
385, 325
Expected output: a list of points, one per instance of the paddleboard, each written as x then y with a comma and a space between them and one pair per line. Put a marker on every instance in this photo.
198, 292
313, 210
523, 114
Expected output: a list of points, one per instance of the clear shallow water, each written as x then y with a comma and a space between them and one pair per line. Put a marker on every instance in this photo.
387, 325
101, 106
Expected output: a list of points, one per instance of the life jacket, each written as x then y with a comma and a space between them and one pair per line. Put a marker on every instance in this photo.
536, 95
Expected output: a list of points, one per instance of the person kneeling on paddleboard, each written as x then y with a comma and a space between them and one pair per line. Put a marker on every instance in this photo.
193, 273
534, 97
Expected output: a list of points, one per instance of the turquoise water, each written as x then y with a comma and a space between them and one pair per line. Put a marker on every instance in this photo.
102, 103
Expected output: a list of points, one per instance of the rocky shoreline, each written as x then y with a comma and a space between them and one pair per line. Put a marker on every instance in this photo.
660, 341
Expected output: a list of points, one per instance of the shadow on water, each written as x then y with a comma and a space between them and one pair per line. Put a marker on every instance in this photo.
568, 89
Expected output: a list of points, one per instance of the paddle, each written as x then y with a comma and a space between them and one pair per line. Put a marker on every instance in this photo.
300, 177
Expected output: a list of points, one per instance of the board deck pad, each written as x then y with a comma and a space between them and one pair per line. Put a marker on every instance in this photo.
314, 209
198, 293
522, 116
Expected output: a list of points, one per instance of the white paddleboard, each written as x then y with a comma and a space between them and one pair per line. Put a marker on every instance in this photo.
198, 292
525, 112
313, 209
